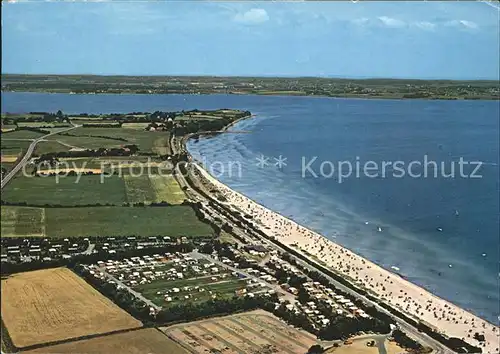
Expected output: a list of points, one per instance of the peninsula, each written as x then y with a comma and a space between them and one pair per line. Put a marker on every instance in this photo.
300, 86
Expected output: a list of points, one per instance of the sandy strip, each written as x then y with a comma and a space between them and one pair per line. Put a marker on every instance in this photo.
67, 170
408, 297
9, 158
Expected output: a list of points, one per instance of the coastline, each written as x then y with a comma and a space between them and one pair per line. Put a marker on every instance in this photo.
276, 94
392, 289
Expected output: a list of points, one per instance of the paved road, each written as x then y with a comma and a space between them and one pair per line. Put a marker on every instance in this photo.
275, 287
424, 339
408, 328
89, 249
28, 154
130, 290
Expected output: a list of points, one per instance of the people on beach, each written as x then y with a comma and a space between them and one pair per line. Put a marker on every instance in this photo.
392, 288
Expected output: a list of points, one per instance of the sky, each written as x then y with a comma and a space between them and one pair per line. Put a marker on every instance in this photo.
355, 39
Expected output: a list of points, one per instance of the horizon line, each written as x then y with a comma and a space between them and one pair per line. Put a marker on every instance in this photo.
269, 77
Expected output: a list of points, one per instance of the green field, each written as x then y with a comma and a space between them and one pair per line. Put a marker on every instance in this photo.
86, 142
8, 127
175, 221
45, 147
7, 165
160, 144
89, 138
21, 134
153, 189
222, 288
136, 126
167, 189
41, 124
14, 147
108, 163
139, 189
124, 221
65, 190
21, 221
95, 122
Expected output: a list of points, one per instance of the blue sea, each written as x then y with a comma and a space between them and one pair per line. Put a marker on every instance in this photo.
440, 229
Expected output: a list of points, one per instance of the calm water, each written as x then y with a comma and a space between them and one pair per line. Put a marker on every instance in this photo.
443, 233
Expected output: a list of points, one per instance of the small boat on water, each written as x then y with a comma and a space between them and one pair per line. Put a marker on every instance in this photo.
379, 229
440, 229
395, 268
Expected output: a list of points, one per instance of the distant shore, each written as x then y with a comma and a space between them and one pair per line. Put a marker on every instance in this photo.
265, 86
274, 93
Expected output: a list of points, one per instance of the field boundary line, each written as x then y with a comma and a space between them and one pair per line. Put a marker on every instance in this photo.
76, 339
6, 340
42, 222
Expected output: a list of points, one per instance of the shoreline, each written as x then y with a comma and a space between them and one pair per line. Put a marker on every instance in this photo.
277, 94
392, 289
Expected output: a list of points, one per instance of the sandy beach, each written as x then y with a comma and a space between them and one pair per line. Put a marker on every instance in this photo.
396, 291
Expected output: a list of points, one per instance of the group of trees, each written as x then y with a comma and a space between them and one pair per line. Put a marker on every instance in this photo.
405, 341
102, 125
52, 157
119, 296
455, 344
37, 117
46, 205
189, 311
198, 125
96, 136
40, 130
340, 327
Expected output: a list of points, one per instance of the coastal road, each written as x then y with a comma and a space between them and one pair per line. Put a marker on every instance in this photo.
422, 338
28, 154
252, 235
